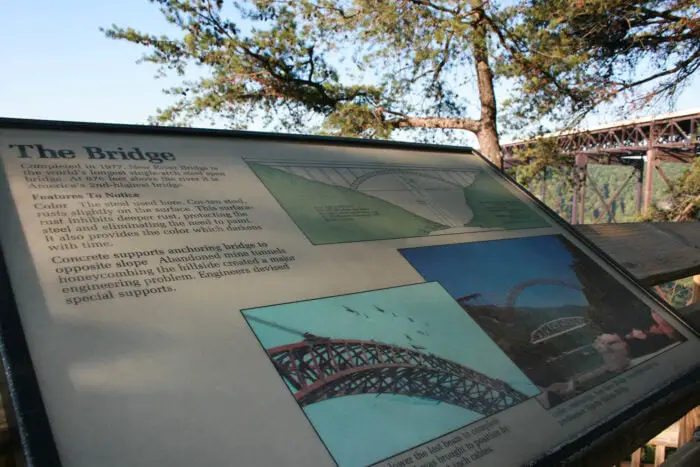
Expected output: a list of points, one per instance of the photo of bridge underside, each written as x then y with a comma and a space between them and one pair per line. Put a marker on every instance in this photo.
322, 369
380, 372
562, 319
344, 202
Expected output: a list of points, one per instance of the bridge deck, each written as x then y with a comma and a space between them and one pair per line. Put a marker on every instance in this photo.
674, 137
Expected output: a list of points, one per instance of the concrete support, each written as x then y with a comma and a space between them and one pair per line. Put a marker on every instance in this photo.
582, 202
543, 187
636, 458
639, 172
579, 199
649, 169
659, 455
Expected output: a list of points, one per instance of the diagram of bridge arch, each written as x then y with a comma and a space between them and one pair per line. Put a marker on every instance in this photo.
433, 193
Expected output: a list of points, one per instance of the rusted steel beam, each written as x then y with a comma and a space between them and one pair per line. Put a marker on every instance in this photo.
677, 132
601, 198
608, 203
639, 172
649, 178
582, 208
663, 176
617, 195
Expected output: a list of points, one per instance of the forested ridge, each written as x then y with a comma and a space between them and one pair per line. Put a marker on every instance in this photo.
608, 179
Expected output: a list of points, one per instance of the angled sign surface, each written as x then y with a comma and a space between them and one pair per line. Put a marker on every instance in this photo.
175, 296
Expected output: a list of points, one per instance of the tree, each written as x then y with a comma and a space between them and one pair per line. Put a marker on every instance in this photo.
289, 63
565, 58
570, 56
683, 204
541, 153
370, 67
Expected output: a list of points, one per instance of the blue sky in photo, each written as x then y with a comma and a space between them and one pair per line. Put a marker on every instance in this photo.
494, 268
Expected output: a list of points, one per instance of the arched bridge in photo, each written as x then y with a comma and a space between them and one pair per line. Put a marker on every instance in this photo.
439, 176
557, 327
319, 369
435, 193
518, 289
547, 330
477, 299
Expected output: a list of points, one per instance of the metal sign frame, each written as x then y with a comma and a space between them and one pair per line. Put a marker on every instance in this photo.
27, 411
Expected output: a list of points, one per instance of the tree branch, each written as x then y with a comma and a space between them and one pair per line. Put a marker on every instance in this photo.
445, 123
445, 56
680, 66
659, 14
522, 61
687, 211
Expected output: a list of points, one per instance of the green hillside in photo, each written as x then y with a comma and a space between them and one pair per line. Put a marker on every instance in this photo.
335, 214
495, 207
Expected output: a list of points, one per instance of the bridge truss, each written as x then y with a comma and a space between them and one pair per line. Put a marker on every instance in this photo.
319, 369
642, 144
557, 327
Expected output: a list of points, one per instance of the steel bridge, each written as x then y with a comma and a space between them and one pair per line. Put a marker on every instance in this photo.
318, 369
476, 299
545, 331
642, 144
518, 289
557, 327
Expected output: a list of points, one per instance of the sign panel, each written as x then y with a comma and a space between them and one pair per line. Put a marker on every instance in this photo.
191, 298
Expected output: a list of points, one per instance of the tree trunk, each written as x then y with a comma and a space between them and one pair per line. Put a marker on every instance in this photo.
488, 131
488, 143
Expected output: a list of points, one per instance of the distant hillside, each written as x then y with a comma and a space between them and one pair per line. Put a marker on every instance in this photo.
608, 179
558, 196
511, 328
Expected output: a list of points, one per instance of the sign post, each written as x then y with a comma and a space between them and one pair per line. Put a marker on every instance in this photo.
177, 296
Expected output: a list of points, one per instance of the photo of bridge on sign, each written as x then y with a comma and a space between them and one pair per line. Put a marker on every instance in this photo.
338, 202
564, 321
380, 372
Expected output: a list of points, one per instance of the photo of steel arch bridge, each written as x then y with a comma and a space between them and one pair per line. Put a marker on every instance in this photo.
565, 322
380, 372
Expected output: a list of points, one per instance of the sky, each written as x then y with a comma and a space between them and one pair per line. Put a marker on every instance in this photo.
362, 429
57, 64
494, 268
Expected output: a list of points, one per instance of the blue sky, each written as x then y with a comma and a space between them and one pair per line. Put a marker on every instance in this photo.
362, 429
58, 65
494, 268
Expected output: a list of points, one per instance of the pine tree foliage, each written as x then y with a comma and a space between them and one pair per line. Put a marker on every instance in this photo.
683, 200
567, 57
370, 67
290, 62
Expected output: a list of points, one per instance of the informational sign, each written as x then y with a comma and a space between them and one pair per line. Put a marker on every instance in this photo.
222, 299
